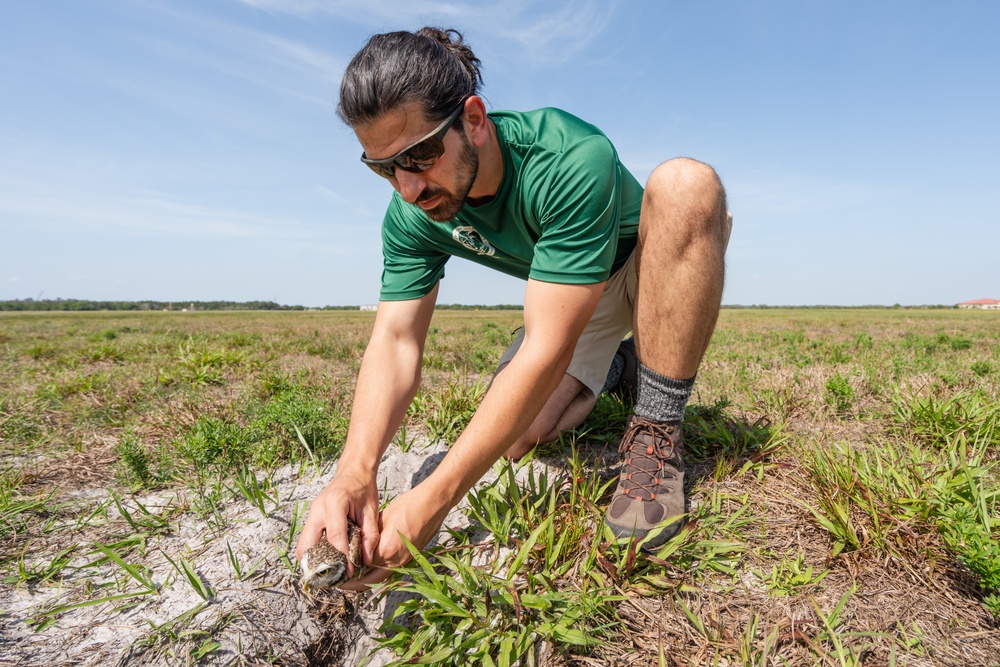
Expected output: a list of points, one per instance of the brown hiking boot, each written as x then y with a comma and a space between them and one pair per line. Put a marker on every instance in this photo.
651, 486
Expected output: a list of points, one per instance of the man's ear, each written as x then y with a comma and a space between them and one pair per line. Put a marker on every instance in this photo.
475, 122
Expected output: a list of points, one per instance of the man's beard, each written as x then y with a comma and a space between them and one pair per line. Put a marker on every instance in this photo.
466, 170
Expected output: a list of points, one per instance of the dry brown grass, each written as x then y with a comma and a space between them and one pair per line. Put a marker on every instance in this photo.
76, 390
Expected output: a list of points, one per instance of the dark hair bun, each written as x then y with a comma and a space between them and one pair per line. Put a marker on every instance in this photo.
453, 41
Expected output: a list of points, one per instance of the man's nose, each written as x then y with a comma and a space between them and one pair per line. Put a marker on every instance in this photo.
410, 185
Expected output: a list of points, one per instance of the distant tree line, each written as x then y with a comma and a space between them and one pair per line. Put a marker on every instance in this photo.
462, 306
84, 304
87, 305
872, 306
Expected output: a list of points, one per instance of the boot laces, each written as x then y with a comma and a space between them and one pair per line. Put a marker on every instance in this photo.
643, 468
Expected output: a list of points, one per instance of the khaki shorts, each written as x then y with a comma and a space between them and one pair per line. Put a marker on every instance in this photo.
612, 321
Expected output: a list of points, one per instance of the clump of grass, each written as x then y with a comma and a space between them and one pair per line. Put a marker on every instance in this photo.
982, 368
17, 510
292, 411
272, 383
965, 507
214, 440
710, 430
243, 339
445, 412
937, 420
863, 341
197, 365
875, 498
42, 350
977, 546
103, 334
104, 352
840, 394
559, 575
134, 461
266, 432
20, 424
959, 343
549, 588
791, 576
834, 481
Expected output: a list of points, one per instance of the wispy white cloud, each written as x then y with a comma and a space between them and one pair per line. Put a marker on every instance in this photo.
335, 196
555, 33
371, 11
276, 63
285, 67
141, 214
544, 31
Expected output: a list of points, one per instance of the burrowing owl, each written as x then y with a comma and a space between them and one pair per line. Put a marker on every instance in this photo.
324, 566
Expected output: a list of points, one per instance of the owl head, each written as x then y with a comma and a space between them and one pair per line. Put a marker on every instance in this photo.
323, 566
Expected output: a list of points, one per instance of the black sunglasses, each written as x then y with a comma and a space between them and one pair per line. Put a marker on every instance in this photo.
418, 156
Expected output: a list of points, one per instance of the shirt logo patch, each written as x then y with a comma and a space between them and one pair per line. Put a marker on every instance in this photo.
472, 240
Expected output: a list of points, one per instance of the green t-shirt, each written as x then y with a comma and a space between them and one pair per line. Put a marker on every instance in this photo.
567, 211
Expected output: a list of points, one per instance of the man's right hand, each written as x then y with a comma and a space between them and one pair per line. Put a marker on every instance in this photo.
345, 496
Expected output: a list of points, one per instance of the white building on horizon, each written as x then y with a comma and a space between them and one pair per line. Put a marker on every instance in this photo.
980, 304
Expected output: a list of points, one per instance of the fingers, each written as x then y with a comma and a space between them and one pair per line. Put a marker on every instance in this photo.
327, 512
372, 577
336, 533
311, 533
379, 572
390, 552
371, 530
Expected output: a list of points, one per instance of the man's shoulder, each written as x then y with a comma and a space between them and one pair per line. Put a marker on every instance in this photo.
552, 113
549, 127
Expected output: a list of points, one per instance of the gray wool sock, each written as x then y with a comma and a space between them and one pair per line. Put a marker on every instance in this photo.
614, 373
661, 398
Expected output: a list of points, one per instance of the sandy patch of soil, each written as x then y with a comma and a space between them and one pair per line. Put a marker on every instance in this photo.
263, 618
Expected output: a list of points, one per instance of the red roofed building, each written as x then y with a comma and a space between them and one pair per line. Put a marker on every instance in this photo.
981, 304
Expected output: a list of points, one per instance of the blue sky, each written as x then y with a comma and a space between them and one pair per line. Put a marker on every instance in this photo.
190, 150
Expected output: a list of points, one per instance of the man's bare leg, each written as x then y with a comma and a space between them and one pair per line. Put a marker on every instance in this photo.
566, 409
683, 232
680, 262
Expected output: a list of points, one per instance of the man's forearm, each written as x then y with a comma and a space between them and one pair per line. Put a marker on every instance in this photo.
387, 382
514, 400
554, 316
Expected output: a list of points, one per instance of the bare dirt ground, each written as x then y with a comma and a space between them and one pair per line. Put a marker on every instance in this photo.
262, 619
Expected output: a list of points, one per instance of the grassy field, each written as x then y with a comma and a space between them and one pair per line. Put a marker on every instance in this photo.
842, 469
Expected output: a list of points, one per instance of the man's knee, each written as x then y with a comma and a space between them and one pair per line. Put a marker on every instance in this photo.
687, 186
684, 176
